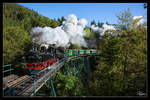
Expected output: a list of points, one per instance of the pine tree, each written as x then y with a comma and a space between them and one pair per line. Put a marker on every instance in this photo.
93, 23
100, 24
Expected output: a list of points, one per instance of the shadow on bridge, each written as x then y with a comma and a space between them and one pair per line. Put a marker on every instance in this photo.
29, 85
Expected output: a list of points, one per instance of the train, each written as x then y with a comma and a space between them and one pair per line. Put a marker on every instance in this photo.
76, 52
43, 55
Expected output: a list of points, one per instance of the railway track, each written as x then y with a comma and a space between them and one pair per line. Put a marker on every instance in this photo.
29, 85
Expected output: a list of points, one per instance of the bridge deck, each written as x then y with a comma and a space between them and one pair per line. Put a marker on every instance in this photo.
28, 85
8, 79
27, 88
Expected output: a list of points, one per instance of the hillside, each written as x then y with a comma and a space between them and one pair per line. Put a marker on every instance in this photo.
120, 70
17, 22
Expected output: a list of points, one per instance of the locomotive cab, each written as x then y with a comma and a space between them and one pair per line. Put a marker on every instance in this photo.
43, 49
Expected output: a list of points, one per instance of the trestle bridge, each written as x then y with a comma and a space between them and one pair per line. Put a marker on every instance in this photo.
28, 85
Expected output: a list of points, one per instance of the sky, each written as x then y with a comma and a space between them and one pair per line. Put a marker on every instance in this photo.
100, 12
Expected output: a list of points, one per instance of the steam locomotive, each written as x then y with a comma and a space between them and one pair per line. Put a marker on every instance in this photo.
41, 56
40, 53
45, 52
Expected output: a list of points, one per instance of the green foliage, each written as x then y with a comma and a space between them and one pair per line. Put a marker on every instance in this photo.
15, 42
107, 23
67, 84
122, 64
145, 5
88, 32
90, 35
74, 46
17, 23
121, 69
100, 24
93, 23
62, 19
124, 19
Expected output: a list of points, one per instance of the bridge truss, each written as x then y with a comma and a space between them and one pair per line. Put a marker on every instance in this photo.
29, 85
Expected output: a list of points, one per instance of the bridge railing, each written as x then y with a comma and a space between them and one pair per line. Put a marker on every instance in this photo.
9, 69
42, 77
37, 79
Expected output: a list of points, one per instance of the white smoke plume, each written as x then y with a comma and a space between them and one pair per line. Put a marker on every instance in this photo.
71, 31
102, 30
140, 21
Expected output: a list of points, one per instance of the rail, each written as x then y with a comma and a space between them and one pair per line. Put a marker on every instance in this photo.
33, 83
8, 70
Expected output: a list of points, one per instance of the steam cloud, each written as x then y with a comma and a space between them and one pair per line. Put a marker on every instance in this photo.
102, 30
106, 27
71, 31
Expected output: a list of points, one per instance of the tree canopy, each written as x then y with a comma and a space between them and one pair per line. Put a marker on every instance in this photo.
120, 70
17, 23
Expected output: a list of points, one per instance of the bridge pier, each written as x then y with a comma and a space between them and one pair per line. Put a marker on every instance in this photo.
78, 68
74, 70
95, 58
13, 91
85, 67
45, 76
9, 91
87, 63
34, 87
64, 70
52, 87
74, 66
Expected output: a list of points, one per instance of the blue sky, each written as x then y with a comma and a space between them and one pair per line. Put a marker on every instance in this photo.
101, 12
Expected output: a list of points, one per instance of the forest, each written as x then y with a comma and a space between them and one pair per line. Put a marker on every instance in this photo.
120, 71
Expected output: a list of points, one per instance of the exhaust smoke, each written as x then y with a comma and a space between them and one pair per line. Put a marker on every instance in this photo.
71, 31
